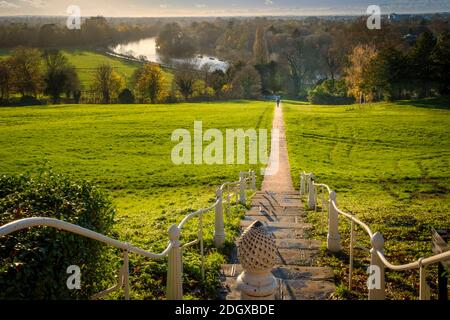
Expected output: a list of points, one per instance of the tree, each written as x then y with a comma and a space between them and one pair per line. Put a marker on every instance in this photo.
60, 76
174, 42
151, 83
422, 63
28, 76
107, 82
247, 83
260, 51
441, 61
185, 78
5, 80
356, 73
385, 73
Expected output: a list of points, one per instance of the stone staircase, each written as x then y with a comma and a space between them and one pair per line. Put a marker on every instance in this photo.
284, 216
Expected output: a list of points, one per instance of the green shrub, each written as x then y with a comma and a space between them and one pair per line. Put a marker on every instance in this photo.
330, 93
34, 262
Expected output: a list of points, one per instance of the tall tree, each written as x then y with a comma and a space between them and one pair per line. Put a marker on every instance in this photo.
356, 73
60, 76
5, 80
185, 77
151, 83
260, 50
28, 75
441, 60
247, 83
422, 62
108, 82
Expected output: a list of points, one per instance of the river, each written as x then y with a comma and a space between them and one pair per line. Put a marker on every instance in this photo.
146, 49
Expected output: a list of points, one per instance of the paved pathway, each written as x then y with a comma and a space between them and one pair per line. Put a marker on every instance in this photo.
278, 205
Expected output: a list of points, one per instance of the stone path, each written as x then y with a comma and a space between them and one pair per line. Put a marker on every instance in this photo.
279, 207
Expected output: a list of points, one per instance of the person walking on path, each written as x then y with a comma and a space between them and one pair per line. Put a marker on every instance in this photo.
278, 102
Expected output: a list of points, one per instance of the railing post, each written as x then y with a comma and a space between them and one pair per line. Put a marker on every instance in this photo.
175, 267
376, 281
424, 290
242, 199
253, 180
302, 184
333, 237
219, 232
312, 193
126, 275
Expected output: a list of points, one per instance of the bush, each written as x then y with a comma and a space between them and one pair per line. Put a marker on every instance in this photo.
29, 101
34, 262
126, 97
330, 93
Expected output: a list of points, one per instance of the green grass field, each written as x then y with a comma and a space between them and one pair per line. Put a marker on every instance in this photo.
127, 151
389, 164
86, 62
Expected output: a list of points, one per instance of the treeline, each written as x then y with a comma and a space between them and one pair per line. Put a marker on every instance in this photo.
315, 57
30, 76
95, 31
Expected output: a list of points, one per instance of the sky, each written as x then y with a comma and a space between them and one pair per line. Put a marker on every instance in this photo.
156, 8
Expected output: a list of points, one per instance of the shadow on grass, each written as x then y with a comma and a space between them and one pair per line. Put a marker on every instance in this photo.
430, 103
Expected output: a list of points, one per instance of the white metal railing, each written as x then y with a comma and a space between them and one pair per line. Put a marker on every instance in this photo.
314, 190
174, 289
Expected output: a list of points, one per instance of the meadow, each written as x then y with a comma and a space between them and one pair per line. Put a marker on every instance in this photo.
126, 150
389, 164
86, 62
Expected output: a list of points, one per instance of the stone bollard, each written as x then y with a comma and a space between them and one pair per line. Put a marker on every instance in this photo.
258, 254
219, 231
333, 237
242, 198
174, 267
312, 193
376, 281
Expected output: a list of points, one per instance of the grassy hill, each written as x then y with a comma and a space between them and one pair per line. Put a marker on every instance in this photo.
127, 151
390, 165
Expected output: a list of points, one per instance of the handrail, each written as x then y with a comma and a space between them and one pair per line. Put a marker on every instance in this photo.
354, 219
173, 249
377, 240
63, 225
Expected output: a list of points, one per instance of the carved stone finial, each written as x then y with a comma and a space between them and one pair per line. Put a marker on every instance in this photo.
257, 253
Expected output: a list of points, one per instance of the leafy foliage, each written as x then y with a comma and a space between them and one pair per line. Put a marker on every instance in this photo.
34, 261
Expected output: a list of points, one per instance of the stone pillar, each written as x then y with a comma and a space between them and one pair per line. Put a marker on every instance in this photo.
174, 267
219, 231
257, 254
376, 278
333, 237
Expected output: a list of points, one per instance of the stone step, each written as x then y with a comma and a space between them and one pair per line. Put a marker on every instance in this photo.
275, 226
268, 218
299, 257
298, 244
295, 283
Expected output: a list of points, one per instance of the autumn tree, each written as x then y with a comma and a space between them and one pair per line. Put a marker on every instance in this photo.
260, 50
151, 84
107, 82
27, 71
356, 77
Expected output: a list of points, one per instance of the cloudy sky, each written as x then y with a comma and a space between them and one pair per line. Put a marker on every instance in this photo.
216, 7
